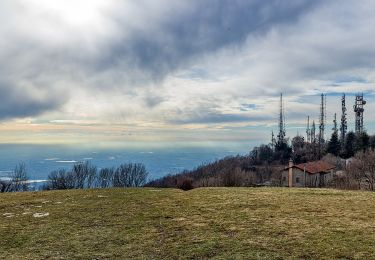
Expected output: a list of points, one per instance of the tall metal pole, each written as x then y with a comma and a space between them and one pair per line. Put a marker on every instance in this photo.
313, 135
358, 109
322, 125
335, 124
308, 130
322, 119
344, 123
281, 135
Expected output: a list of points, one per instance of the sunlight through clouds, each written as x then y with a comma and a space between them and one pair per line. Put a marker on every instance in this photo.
152, 66
72, 12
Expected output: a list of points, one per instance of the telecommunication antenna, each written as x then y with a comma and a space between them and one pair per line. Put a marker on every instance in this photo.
335, 124
358, 109
313, 135
281, 135
308, 130
344, 123
322, 119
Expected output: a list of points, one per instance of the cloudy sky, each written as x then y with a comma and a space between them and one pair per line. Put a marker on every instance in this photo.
78, 71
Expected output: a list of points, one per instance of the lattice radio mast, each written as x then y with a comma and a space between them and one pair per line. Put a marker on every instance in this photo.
312, 133
273, 141
308, 131
358, 109
281, 135
322, 118
335, 124
344, 123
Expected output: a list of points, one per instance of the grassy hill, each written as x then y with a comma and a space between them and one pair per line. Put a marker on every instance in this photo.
201, 223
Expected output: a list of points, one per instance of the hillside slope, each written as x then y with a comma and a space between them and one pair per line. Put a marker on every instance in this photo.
168, 223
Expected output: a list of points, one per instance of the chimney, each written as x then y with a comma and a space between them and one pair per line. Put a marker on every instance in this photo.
290, 173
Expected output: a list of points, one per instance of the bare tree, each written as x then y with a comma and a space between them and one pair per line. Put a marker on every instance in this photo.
61, 180
121, 176
354, 171
105, 178
5, 186
365, 165
130, 175
139, 174
84, 174
19, 179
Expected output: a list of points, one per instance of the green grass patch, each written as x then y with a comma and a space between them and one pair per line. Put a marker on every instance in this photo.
252, 223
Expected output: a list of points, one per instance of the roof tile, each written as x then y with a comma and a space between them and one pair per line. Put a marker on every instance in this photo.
315, 167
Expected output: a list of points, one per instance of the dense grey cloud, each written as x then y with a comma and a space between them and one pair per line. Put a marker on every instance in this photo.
131, 44
180, 62
20, 102
197, 28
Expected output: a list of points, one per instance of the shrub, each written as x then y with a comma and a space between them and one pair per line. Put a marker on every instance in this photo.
130, 175
105, 178
20, 179
60, 180
185, 184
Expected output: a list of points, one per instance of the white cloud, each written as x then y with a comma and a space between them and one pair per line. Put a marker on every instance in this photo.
165, 63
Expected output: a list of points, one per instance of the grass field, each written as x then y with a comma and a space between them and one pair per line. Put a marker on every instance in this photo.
252, 223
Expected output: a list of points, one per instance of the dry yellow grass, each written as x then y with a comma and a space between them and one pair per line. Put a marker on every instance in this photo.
251, 223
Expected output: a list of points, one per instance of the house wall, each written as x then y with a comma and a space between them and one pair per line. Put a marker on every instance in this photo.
284, 178
319, 180
312, 180
298, 178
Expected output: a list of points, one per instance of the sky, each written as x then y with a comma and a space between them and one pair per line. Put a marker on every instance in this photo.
190, 71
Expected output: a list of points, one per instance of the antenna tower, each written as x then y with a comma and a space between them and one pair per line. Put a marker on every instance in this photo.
325, 111
312, 133
273, 141
281, 135
308, 130
322, 119
344, 123
322, 124
335, 124
358, 109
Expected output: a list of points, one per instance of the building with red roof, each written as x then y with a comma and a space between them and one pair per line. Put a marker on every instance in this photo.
310, 174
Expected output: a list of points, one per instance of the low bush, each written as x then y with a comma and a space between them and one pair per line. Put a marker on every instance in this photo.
185, 184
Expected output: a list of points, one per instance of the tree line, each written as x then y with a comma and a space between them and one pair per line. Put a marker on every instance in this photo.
301, 151
263, 165
231, 171
82, 175
359, 173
